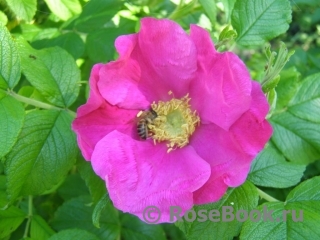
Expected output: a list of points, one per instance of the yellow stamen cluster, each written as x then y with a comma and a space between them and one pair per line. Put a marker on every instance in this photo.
175, 122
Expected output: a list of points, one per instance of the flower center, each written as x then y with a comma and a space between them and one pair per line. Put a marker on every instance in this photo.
175, 122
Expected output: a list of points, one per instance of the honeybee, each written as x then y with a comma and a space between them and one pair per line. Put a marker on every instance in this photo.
145, 118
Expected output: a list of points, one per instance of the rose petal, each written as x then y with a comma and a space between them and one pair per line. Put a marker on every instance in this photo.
91, 128
95, 99
229, 163
252, 131
118, 80
139, 174
222, 82
97, 118
167, 59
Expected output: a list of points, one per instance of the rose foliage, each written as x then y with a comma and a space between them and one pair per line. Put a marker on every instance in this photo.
161, 59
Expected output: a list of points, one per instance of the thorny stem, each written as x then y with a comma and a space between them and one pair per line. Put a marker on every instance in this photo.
266, 196
35, 103
26, 231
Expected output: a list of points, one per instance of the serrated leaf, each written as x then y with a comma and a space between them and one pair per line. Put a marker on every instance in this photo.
97, 14
297, 139
257, 21
307, 2
25, 9
270, 169
39, 228
52, 71
77, 212
64, 9
306, 102
9, 60
287, 87
44, 153
10, 220
244, 197
71, 42
103, 202
11, 122
96, 185
210, 9
78, 234
300, 221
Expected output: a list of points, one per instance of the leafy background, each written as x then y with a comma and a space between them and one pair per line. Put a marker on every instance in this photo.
47, 49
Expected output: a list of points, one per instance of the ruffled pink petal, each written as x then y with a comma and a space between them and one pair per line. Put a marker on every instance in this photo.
252, 131
167, 59
95, 99
97, 118
118, 80
222, 82
91, 128
229, 163
139, 174
212, 191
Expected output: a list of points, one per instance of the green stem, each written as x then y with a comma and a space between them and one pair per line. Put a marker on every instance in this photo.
267, 196
35, 103
83, 82
32, 102
26, 231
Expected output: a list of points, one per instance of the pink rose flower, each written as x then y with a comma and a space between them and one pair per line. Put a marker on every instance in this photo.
210, 120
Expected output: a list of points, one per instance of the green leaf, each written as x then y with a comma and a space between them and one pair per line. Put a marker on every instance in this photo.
257, 21
9, 60
39, 228
297, 139
64, 9
11, 122
100, 43
228, 7
3, 195
70, 42
299, 221
96, 185
43, 155
306, 102
77, 212
172, 231
74, 234
72, 187
270, 169
104, 201
25, 9
296, 131
10, 220
210, 9
52, 71
97, 14
3, 18
307, 2
244, 197
134, 229
287, 87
